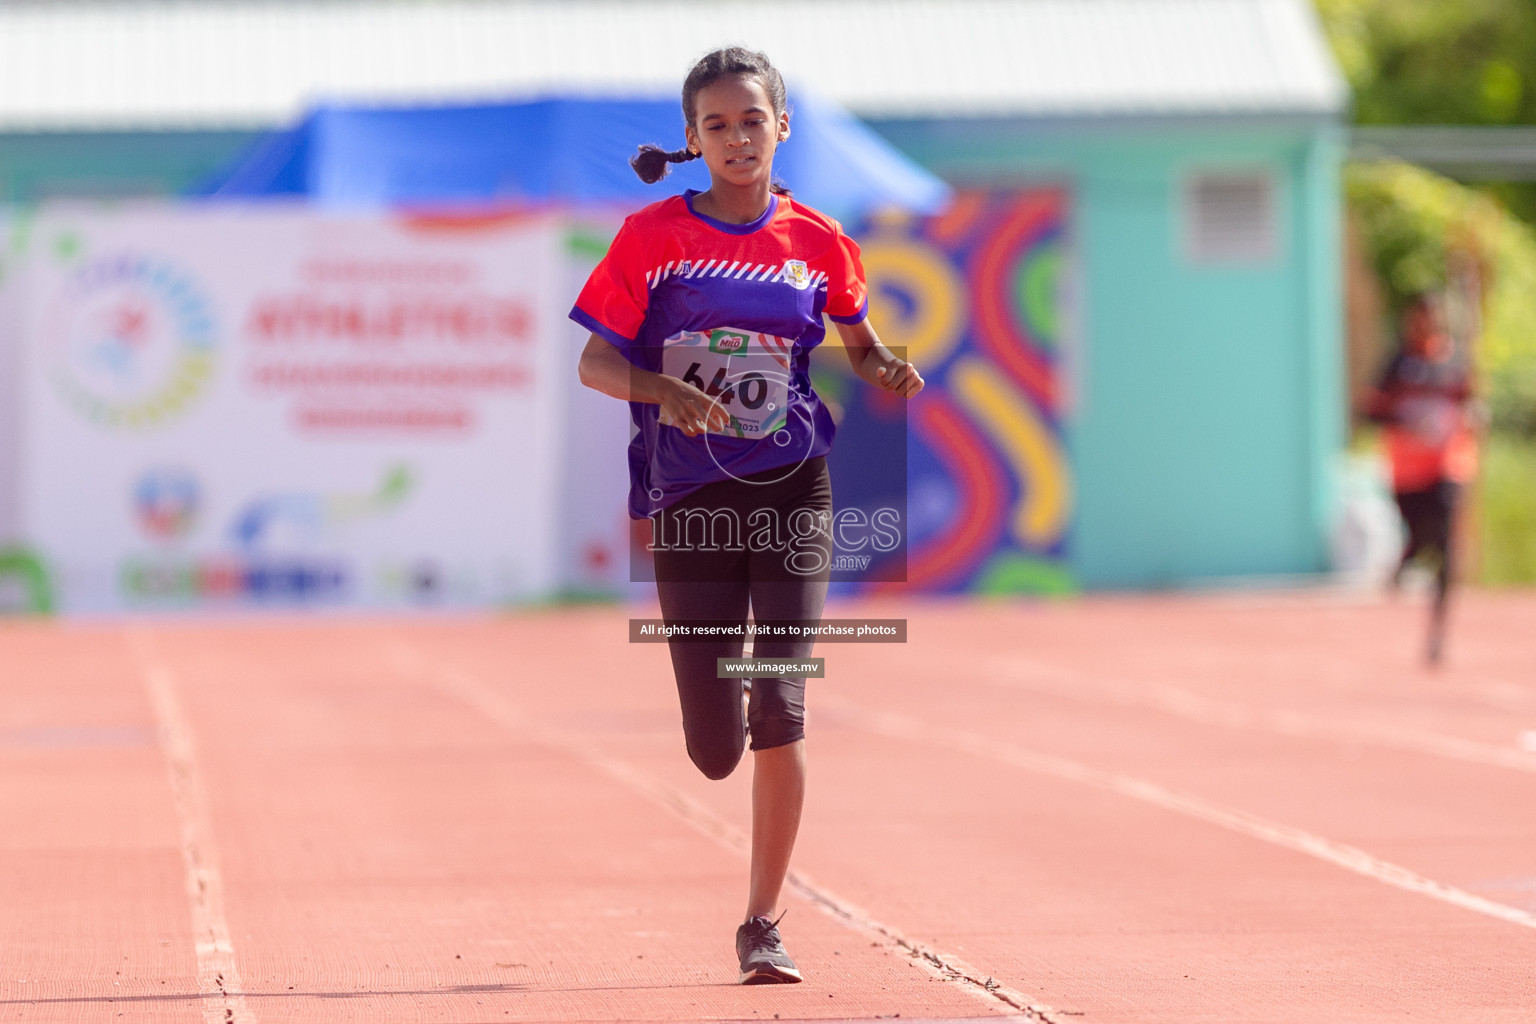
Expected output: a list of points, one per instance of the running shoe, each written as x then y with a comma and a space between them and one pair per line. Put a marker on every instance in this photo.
763, 960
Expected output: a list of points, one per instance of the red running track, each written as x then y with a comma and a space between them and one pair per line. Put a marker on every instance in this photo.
1240, 808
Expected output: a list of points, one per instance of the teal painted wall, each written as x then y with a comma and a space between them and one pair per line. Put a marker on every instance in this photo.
1209, 399
43, 165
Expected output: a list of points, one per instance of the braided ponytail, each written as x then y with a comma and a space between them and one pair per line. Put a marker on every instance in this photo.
651, 162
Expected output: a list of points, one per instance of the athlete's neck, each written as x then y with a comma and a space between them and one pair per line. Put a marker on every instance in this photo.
734, 204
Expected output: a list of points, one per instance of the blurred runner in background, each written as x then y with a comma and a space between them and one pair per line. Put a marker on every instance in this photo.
1424, 401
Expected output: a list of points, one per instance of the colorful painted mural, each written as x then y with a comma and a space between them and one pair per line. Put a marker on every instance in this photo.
974, 297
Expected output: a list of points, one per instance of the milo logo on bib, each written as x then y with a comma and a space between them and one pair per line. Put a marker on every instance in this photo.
728, 342
746, 372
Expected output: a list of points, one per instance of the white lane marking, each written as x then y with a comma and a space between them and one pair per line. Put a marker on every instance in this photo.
481, 696
1195, 707
1348, 857
218, 976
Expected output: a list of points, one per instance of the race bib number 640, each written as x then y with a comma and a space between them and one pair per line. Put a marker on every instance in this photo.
747, 372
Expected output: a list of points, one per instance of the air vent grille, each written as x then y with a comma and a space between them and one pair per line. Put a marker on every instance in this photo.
1231, 217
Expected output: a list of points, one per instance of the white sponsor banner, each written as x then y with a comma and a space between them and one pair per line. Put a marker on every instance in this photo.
10, 377
246, 406
594, 483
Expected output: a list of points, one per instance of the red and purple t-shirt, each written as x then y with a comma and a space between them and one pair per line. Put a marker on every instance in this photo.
1423, 401
734, 309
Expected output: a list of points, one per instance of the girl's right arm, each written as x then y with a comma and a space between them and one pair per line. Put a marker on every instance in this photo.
604, 368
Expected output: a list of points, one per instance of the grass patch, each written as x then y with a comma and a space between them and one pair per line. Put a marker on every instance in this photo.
1508, 510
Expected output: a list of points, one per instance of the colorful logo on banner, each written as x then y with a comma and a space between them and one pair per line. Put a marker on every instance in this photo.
131, 341
274, 537
195, 581
972, 296
304, 518
165, 502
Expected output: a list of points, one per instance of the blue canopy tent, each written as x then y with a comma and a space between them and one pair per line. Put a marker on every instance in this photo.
561, 149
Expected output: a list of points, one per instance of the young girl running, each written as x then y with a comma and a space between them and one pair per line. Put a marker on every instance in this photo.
703, 315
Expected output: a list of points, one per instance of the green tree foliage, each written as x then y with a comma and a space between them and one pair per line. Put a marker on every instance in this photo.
1411, 219
1449, 62
1437, 61
1509, 510
1470, 62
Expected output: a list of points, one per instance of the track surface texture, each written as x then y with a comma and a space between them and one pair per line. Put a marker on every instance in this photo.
1227, 808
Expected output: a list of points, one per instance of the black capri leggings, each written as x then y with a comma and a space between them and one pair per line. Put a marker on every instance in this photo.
1430, 516
762, 541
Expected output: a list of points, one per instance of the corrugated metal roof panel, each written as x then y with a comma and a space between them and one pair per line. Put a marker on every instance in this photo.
181, 64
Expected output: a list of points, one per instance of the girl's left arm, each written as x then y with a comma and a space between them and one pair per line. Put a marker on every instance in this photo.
877, 364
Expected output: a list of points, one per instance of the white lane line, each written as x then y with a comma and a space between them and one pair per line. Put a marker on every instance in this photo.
218, 977
481, 696
1195, 707
1348, 857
